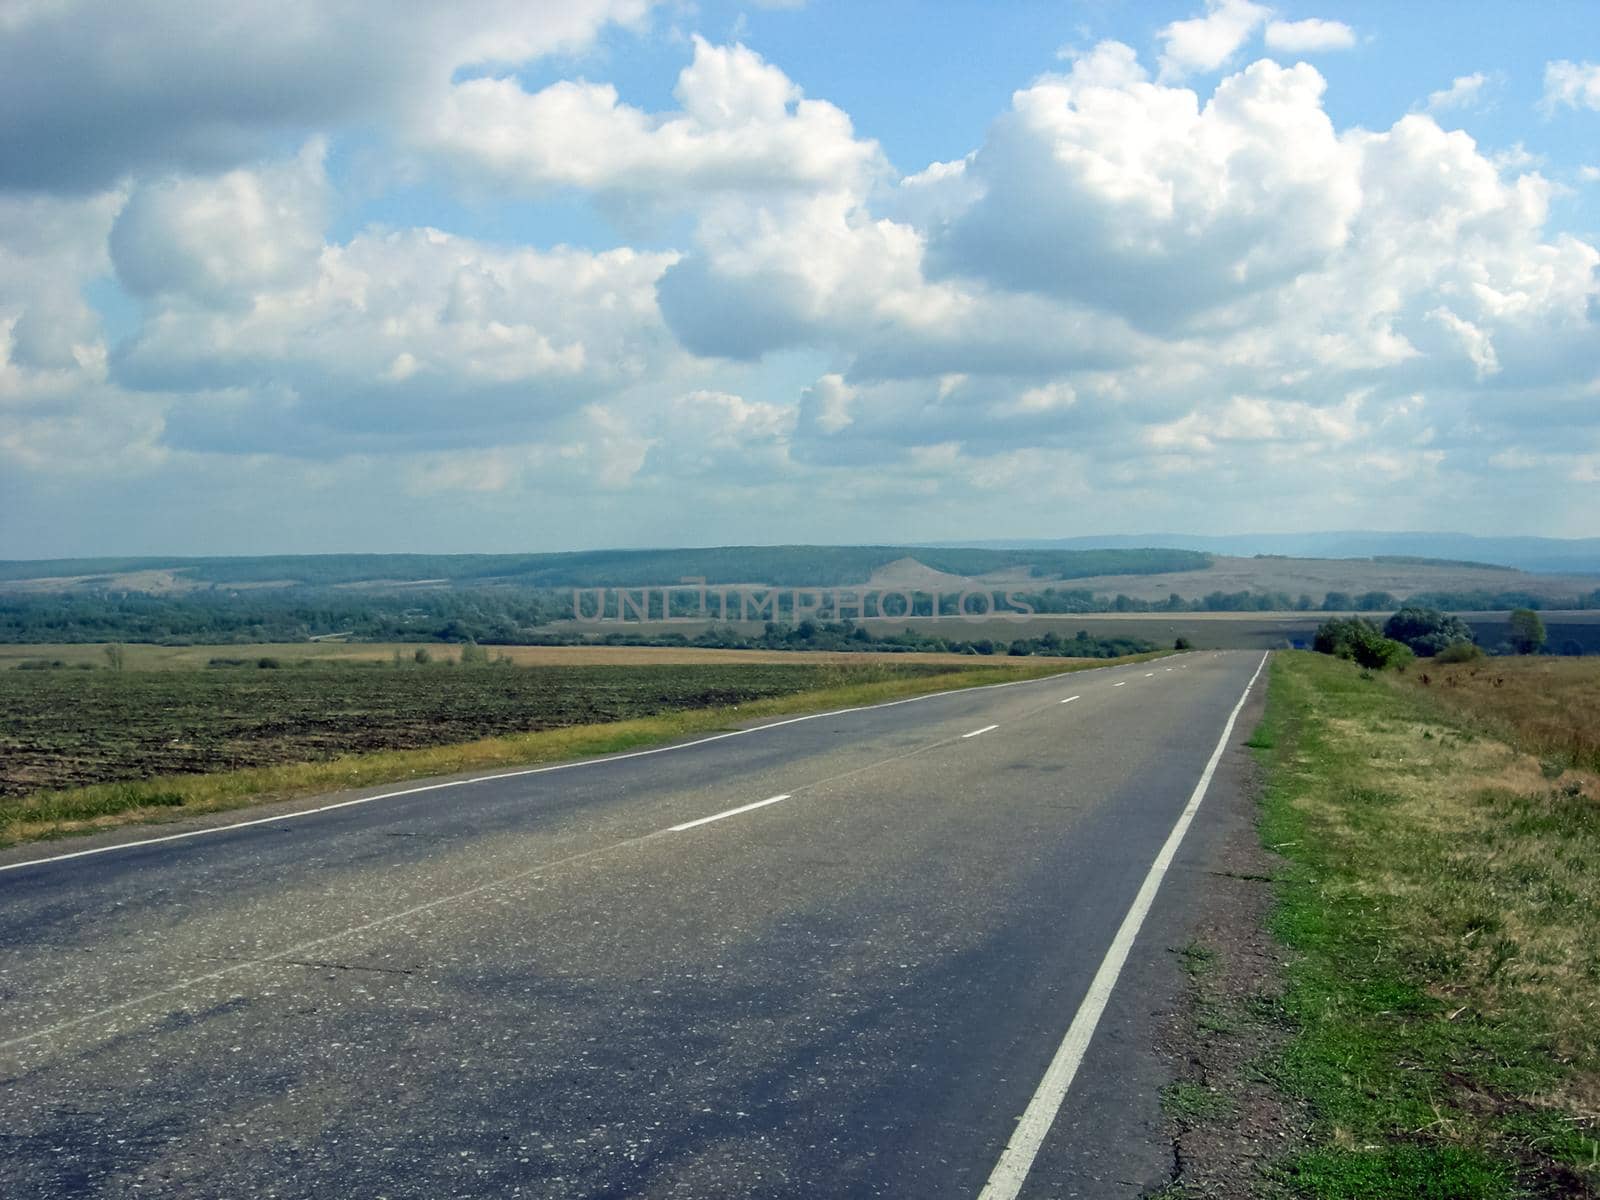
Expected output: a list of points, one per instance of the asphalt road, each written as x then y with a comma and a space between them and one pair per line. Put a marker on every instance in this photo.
570, 983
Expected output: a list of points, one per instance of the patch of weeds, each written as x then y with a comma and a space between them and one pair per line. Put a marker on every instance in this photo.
1478, 923
106, 801
1197, 958
1368, 797
1266, 1010
1179, 1190
1191, 1103
1216, 1018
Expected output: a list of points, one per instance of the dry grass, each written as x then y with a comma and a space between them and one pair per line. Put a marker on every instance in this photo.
1548, 707
1502, 871
1442, 900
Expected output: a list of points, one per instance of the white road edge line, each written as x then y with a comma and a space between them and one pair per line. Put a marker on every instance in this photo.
976, 732
566, 766
732, 812
1069, 699
1005, 1181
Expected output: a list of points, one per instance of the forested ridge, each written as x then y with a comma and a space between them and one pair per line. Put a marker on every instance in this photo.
784, 566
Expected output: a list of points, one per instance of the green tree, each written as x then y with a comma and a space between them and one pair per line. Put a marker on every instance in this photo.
1527, 631
1359, 639
1335, 635
1426, 630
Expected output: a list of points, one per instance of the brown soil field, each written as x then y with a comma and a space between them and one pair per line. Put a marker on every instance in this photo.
160, 658
70, 728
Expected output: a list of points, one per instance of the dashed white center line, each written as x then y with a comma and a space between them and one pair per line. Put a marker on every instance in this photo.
1124, 683
1148, 674
732, 812
1069, 699
976, 732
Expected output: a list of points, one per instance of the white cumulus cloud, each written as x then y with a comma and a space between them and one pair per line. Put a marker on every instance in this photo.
1571, 85
1309, 36
742, 124
90, 91
401, 337
1208, 42
1465, 91
1131, 295
225, 238
1126, 195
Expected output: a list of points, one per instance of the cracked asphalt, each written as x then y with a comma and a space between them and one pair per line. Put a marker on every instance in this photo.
536, 986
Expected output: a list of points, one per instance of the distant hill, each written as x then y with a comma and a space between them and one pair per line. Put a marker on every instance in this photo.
788, 566
515, 598
1573, 556
1437, 582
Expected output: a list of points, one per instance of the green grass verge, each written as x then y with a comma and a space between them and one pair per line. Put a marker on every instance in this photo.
1445, 987
53, 814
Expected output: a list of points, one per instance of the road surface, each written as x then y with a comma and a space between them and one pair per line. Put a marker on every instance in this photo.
896, 951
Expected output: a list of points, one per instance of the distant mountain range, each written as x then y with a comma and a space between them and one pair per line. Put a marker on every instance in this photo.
1177, 562
1573, 556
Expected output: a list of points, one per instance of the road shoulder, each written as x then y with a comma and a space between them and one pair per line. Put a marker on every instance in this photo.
1226, 1119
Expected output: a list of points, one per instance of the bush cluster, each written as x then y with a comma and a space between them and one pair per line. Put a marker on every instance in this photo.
1460, 652
1361, 641
1427, 631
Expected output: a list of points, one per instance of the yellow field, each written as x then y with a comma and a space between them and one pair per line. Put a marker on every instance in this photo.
159, 658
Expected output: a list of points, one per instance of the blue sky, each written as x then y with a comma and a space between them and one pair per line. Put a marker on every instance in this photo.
501, 276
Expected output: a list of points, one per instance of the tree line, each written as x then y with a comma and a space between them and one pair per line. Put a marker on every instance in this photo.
1416, 632
514, 615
